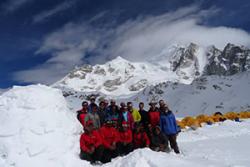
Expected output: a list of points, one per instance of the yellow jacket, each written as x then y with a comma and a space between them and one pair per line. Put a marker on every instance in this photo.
136, 115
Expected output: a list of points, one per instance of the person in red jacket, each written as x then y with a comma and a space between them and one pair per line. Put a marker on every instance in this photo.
140, 137
125, 144
91, 144
110, 138
82, 113
154, 115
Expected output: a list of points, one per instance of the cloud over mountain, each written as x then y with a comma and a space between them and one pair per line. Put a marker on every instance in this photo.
136, 40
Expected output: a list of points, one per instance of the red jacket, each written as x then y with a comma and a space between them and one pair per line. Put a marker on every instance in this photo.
154, 118
90, 140
81, 115
125, 136
109, 135
140, 140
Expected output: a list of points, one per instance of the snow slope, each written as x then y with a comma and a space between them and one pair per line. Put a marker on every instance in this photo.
205, 95
38, 129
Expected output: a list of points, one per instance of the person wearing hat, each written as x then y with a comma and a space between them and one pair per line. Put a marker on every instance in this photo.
140, 137
82, 113
158, 140
135, 113
169, 128
110, 138
91, 148
125, 144
153, 114
92, 104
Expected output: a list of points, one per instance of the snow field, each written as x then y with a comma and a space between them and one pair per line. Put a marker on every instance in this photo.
38, 129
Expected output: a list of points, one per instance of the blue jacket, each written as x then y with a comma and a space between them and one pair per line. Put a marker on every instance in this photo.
168, 123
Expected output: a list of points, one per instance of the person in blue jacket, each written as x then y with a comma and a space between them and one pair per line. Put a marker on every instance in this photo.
169, 128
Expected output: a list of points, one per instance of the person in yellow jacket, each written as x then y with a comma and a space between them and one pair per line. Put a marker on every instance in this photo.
135, 113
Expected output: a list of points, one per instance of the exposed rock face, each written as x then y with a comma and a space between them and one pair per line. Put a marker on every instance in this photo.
185, 59
100, 71
80, 72
138, 85
111, 85
233, 59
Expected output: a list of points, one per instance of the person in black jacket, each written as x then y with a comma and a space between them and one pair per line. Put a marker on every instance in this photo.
102, 111
92, 104
144, 116
158, 140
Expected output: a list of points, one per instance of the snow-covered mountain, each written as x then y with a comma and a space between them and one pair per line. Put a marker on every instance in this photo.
213, 79
122, 77
176, 64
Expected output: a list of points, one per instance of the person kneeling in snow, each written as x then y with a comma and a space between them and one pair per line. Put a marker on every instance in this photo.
91, 144
169, 128
158, 140
110, 138
125, 144
140, 137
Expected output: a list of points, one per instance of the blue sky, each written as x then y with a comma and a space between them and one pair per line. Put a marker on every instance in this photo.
43, 40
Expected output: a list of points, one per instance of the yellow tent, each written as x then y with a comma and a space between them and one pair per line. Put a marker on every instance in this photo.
231, 115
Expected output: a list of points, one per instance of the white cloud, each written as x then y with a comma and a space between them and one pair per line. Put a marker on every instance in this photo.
13, 5
135, 40
49, 13
67, 48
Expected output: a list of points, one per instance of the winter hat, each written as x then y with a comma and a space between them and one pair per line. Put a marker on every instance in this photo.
92, 98
152, 103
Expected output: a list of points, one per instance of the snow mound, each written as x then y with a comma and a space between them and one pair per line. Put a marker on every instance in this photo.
36, 127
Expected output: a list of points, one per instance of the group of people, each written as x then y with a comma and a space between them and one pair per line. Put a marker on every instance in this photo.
112, 130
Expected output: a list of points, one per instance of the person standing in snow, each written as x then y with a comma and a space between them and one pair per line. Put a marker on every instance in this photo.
153, 114
102, 111
125, 116
83, 112
135, 113
92, 104
91, 144
94, 117
169, 128
112, 113
144, 116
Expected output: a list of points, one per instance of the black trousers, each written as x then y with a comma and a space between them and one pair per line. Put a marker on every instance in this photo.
173, 143
125, 149
97, 155
109, 154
